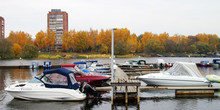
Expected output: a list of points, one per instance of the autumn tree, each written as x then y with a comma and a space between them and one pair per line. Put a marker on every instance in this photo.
81, 41
132, 43
50, 39
104, 39
68, 40
213, 42
92, 35
16, 49
41, 40
21, 38
146, 37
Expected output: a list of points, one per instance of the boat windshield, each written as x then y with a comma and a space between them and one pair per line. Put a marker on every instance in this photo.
55, 79
34, 80
184, 69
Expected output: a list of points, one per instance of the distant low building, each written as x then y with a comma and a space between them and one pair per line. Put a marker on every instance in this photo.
2, 27
57, 21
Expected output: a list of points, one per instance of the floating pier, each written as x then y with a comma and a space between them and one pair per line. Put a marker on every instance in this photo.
125, 88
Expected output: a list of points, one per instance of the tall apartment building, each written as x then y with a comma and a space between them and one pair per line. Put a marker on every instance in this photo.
2, 27
57, 21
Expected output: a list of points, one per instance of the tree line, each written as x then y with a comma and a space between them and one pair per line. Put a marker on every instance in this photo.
100, 42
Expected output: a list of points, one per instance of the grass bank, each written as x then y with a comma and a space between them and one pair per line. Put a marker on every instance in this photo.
79, 55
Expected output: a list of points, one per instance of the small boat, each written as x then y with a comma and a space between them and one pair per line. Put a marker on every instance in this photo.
180, 74
34, 65
216, 63
93, 66
213, 78
205, 64
52, 85
91, 79
136, 63
47, 65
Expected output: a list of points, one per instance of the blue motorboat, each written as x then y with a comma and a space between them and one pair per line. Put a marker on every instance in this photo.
216, 63
47, 65
34, 65
205, 64
92, 66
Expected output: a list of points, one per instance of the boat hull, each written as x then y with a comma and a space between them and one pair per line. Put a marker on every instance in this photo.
173, 81
42, 93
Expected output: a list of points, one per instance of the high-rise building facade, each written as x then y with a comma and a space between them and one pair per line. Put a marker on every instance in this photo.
57, 21
2, 27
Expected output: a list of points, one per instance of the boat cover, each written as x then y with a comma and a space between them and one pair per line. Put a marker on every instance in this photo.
80, 62
184, 69
72, 83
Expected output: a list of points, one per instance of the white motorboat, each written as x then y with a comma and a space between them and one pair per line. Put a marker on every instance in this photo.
181, 74
53, 85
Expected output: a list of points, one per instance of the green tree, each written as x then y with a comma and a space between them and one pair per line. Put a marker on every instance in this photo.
202, 48
170, 46
29, 51
121, 48
6, 51
153, 47
192, 49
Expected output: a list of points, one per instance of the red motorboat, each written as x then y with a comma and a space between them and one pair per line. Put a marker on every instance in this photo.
91, 79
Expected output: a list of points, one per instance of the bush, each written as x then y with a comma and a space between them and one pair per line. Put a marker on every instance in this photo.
55, 57
68, 56
43, 56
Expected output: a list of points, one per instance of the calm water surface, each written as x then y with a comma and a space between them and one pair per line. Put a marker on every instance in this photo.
151, 100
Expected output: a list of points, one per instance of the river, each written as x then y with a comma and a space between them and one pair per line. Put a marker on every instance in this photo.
151, 100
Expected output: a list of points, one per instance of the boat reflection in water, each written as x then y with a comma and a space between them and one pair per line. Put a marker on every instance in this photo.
39, 105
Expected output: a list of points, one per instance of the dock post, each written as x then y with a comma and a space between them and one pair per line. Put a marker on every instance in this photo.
126, 94
138, 97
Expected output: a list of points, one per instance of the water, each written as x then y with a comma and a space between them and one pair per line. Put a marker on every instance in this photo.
151, 100
106, 60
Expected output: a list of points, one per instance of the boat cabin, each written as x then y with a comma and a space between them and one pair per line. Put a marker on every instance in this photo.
58, 78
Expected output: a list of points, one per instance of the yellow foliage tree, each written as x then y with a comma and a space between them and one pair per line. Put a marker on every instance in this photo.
104, 37
132, 41
21, 38
81, 41
17, 49
68, 40
93, 34
40, 39
203, 38
50, 39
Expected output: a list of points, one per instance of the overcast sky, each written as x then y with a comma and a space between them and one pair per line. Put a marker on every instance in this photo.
183, 17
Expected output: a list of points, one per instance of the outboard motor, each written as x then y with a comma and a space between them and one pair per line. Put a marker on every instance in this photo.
87, 89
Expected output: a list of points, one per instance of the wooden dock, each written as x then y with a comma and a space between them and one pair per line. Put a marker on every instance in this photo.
123, 87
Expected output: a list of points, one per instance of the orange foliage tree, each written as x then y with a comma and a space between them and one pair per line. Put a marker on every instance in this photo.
40, 39
17, 49
81, 41
68, 40
50, 39
21, 38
